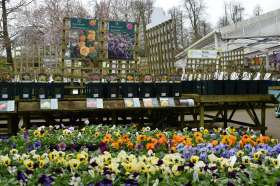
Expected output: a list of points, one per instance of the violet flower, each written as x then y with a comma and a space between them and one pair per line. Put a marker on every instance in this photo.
58, 171
131, 182
139, 147
61, 146
87, 122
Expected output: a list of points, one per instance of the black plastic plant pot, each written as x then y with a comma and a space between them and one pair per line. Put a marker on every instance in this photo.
215, 87
194, 87
129, 90
187, 87
263, 87
278, 83
6, 90
175, 89
241, 87
57, 90
147, 90
25, 90
199, 87
41, 90
252, 87
111, 90
274, 83
204, 87
162, 89
229, 87
95, 90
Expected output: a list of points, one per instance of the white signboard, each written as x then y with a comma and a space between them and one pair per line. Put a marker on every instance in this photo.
203, 54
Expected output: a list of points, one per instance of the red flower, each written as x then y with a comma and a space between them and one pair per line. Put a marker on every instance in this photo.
218, 53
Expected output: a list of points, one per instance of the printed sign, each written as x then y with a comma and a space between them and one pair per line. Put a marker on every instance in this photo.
94, 103
121, 40
202, 54
131, 102
186, 102
83, 38
7, 106
150, 102
165, 102
48, 104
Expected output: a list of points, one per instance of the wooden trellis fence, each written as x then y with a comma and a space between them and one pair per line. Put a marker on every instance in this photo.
159, 45
36, 56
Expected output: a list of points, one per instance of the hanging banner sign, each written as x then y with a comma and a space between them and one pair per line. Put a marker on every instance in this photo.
203, 54
121, 40
83, 38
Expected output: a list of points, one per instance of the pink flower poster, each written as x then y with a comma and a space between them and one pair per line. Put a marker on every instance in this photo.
121, 40
83, 38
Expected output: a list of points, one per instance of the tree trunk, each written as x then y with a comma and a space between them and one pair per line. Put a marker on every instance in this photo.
7, 41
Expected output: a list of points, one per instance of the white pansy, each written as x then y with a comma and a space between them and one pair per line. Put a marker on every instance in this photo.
75, 181
91, 173
201, 129
12, 169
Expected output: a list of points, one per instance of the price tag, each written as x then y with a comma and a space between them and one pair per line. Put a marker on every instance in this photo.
42, 96
163, 94
25, 95
4, 95
177, 94
113, 95
147, 95
57, 96
95, 95
130, 95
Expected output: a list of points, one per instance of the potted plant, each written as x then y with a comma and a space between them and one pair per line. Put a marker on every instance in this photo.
163, 87
264, 82
111, 88
129, 89
215, 86
176, 88
229, 84
187, 84
94, 87
41, 87
57, 87
241, 84
252, 83
25, 87
147, 88
6, 86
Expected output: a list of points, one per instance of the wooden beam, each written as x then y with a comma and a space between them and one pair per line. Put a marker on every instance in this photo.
254, 113
48, 118
268, 98
163, 118
250, 114
201, 121
216, 117
233, 111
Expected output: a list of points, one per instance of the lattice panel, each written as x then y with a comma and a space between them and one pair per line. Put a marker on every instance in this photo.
202, 65
96, 65
34, 56
232, 60
159, 45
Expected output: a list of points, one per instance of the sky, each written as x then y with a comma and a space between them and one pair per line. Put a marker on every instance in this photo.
215, 7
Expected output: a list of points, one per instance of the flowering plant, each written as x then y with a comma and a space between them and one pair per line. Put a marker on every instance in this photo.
127, 156
121, 45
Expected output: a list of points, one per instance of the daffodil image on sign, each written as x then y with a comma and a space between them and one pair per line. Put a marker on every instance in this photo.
129, 103
164, 102
46, 104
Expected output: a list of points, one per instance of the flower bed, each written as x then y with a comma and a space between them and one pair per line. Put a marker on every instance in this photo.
129, 157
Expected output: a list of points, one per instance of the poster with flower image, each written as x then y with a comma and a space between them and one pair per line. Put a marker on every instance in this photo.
94, 103
48, 104
121, 40
7, 106
83, 38
165, 102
